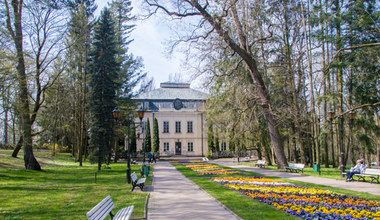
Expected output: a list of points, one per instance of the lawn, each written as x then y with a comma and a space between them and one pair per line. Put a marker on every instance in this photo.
63, 190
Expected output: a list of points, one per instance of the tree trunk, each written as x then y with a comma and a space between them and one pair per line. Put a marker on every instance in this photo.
242, 49
26, 122
18, 147
325, 145
313, 114
248, 58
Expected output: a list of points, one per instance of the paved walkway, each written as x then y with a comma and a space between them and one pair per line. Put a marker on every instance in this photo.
355, 186
175, 197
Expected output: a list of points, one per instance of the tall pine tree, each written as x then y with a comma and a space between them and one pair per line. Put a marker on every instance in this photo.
210, 138
104, 70
156, 138
79, 40
148, 141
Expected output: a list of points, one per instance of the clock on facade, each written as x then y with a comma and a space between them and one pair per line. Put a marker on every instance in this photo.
178, 104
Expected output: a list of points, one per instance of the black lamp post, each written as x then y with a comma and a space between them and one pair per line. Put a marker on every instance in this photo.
116, 115
140, 113
352, 117
341, 121
331, 117
342, 168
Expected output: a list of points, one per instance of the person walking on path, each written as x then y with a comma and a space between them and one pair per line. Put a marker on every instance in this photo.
150, 157
358, 169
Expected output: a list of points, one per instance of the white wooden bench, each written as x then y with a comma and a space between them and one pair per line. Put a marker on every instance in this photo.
102, 209
137, 182
260, 163
205, 159
295, 167
240, 159
371, 173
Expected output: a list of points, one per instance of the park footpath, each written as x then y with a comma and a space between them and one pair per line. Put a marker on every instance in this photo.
173, 196
355, 186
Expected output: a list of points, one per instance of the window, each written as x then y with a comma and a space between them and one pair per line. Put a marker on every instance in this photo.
189, 127
190, 147
166, 127
166, 146
177, 127
224, 146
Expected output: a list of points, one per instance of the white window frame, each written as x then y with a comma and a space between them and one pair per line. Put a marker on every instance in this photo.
223, 146
190, 146
190, 127
166, 127
166, 147
177, 127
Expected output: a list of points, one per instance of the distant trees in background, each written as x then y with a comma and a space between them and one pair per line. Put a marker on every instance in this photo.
281, 66
275, 70
50, 43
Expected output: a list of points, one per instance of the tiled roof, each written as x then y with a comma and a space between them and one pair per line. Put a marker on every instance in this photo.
171, 91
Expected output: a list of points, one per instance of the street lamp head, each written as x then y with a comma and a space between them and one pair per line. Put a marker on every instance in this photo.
116, 113
140, 112
352, 115
331, 114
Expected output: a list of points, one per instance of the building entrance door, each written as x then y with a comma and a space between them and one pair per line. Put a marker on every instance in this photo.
178, 148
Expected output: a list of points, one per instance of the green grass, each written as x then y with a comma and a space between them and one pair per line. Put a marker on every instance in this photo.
332, 173
63, 190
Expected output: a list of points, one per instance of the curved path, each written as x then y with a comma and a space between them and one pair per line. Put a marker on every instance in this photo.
355, 186
175, 197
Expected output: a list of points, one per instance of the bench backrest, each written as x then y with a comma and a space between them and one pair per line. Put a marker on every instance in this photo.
292, 165
372, 171
299, 165
101, 210
134, 177
261, 162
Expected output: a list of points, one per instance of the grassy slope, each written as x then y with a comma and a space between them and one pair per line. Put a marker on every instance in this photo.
63, 190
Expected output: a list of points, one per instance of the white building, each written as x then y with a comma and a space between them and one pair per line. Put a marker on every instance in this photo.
181, 119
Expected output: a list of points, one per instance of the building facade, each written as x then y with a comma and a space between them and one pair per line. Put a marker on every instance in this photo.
180, 113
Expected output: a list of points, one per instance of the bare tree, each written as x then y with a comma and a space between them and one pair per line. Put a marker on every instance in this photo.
223, 19
16, 32
45, 33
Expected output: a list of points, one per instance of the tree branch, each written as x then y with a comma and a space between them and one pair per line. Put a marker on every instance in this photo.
350, 48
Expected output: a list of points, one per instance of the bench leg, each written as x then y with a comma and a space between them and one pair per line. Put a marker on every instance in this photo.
133, 187
374, 178
141, 187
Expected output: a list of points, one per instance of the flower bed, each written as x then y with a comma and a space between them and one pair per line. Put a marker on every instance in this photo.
301, 201
203, 169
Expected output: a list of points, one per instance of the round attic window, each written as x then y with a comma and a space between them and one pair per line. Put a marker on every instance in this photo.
178, 104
